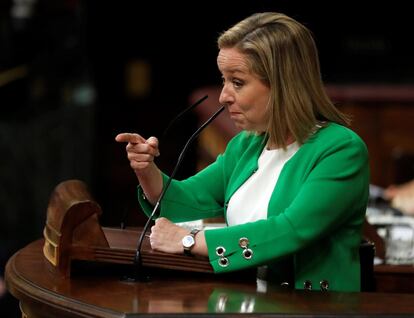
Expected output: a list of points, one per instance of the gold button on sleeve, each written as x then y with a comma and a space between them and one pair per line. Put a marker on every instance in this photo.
243, 242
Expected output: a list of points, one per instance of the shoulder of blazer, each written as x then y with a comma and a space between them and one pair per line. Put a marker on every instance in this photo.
334, 135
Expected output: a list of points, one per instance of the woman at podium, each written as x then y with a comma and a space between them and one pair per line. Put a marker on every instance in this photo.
292, 185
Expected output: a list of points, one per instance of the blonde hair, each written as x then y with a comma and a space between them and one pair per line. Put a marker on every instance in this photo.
283, 54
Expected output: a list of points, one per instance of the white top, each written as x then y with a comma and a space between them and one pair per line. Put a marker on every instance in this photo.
250, 202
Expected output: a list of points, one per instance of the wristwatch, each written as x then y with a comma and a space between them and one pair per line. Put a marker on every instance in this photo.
189, 241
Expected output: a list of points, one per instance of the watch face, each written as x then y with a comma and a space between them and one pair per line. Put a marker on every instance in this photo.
188, 241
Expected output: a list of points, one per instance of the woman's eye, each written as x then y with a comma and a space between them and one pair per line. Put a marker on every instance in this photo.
237, 83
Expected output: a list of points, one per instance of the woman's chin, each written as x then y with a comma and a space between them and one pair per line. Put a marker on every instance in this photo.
244, 126
240, 126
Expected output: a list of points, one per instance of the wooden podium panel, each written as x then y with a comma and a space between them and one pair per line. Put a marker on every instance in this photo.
73, 233
45, 293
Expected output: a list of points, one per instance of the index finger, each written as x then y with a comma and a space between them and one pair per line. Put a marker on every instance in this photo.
128, 137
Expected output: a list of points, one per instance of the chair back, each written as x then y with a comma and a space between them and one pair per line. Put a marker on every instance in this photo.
366, 255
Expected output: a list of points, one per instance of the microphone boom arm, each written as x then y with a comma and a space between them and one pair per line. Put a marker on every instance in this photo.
138, 257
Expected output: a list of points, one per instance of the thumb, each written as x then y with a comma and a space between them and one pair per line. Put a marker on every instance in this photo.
153, 142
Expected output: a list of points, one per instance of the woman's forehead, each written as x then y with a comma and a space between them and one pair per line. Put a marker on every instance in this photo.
232, 60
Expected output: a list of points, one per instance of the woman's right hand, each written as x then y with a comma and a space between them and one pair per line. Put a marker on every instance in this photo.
140, 151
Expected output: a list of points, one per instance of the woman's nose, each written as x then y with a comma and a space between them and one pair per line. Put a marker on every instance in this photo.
226, 97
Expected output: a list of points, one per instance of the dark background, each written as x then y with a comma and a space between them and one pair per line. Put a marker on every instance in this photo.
60, 113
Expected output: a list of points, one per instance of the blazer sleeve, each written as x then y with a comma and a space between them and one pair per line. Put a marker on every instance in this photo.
200, 196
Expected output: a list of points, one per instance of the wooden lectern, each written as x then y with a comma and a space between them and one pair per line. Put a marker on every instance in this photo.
40, 276
73, 232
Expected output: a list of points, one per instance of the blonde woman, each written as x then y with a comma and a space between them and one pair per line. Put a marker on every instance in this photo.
292, 186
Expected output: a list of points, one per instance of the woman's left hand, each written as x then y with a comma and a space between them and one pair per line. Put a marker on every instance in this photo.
167, 236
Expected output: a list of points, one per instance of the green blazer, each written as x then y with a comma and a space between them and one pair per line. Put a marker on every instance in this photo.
315, 213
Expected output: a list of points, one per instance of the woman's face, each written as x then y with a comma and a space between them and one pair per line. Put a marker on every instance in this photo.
244, 94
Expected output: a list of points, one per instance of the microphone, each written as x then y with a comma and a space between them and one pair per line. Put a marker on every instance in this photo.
170, 124
138, 255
